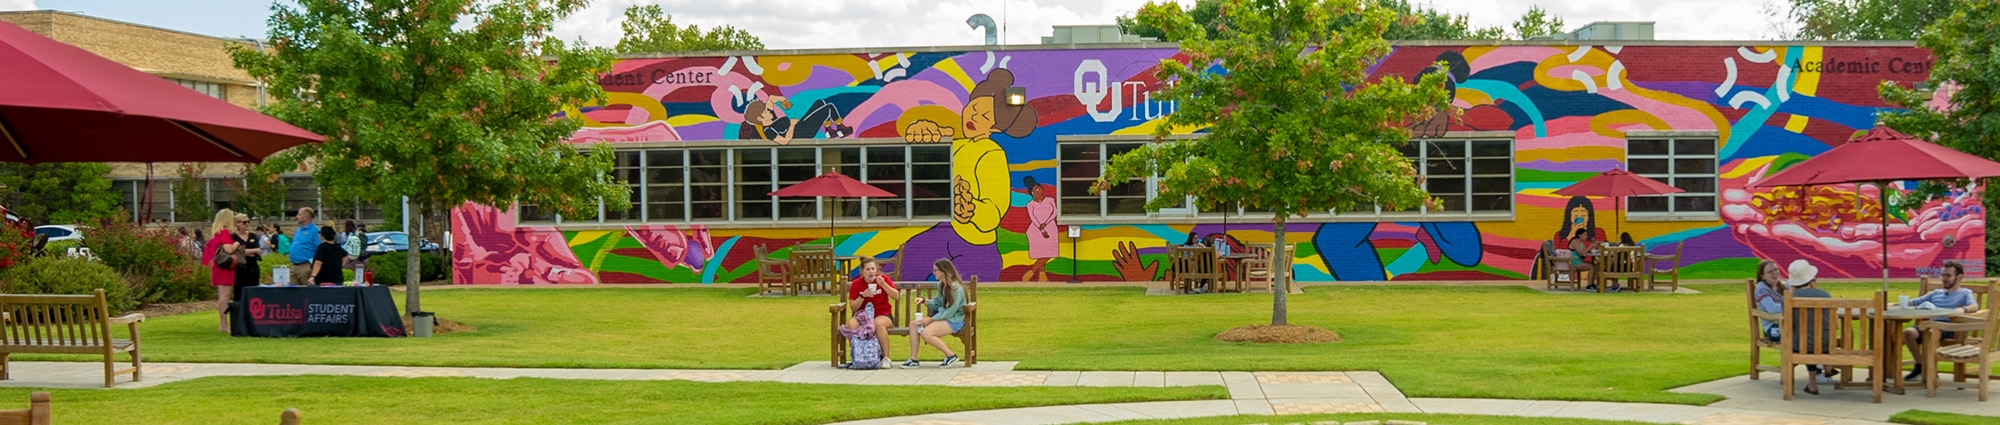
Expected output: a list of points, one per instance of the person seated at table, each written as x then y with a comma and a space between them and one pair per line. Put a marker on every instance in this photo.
328, 258
1625, 239
1804, 283
1579, 258
874, 289
1951, 296
1194, 241
946, 318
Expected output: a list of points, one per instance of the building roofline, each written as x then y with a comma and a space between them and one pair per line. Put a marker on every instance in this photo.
1173, 45
100, 18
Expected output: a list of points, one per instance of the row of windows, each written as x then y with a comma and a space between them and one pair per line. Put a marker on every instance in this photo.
1467, 176
299, 193
211, 89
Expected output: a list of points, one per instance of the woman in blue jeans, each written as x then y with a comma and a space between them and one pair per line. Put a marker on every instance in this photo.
947, 318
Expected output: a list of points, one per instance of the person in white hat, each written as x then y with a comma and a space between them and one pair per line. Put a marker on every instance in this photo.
1803, 279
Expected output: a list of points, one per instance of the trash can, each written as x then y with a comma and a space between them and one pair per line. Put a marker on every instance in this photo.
421, 323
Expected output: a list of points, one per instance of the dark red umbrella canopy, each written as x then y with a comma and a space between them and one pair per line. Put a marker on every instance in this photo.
832, 184
60, 103
1617, 183
1883, 154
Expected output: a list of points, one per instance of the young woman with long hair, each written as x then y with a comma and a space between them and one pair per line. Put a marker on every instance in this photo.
947, 317
221, 243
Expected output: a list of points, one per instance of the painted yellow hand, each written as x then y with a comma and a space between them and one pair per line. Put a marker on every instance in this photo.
927, 131
962, 201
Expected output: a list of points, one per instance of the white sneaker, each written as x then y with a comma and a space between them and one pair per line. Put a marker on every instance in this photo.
1826, 380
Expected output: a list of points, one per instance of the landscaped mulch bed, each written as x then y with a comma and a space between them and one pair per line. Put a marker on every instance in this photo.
1281, 334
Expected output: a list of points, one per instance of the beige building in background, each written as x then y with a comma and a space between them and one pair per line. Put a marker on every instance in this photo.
198, 62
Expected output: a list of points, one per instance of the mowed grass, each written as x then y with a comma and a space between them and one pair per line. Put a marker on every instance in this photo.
1380, 417
384, 401
1926, 417
1431, 341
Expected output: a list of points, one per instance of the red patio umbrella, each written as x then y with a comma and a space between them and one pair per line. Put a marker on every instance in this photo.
1880, 156
832, 184
60, 103
1617, 183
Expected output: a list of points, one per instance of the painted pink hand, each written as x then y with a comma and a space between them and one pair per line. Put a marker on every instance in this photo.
1837, 227
675, 248
496, 252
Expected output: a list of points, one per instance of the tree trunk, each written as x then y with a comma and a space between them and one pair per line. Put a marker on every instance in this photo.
1281, 268
412, 255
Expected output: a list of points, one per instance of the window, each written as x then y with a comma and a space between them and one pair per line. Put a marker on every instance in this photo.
1466, 176
795, 165
734, 184
301, 193
930, 181
221, 193
1080, 166
665, 177
754, 172
888, 169
625, 170
214, 90
1688, 164
708, 187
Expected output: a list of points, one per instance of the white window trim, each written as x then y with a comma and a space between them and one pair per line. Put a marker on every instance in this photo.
1671, 136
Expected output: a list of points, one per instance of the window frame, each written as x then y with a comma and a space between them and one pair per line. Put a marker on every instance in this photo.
1672, 138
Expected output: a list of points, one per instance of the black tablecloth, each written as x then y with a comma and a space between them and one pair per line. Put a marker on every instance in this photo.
300, 311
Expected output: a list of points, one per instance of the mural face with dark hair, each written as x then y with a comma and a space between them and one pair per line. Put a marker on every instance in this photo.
981, 194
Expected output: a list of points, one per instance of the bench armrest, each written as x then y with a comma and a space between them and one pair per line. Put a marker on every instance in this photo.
837, 308
1952, 326
971, 307
128, 319
1774, 317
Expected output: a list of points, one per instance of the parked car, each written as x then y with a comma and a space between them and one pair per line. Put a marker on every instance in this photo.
380, 242
59, 232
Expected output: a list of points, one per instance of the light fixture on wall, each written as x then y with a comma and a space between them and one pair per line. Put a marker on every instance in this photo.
1017, 96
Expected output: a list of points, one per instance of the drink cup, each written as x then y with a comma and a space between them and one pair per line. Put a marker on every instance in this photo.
873, 287
1902, 300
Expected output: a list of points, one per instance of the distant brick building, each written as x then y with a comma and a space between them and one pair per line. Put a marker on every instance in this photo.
198, 62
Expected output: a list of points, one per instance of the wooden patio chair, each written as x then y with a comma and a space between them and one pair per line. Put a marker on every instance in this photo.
1757, 341
1556, 263
893, 266
1979, 295
1832, 332
1620, 262
37, 413
772, 275
1173, 262
812, 271
1970, 354
1257, 269
1195, 265
1665, 265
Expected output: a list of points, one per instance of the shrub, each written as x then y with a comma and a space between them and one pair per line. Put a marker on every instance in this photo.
159, 271
60, 247
390, 266
57, 275
16, 244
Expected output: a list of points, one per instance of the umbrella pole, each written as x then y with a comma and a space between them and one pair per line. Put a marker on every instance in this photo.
1883, 194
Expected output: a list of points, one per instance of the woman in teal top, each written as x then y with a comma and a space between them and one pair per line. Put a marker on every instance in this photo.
947, 315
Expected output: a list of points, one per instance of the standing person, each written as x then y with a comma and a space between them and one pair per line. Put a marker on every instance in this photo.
222, 243
1042, 244
1804, 283
281, 244
305, 242
947, 317
875, 289
1951, 296
253, 252
327, 258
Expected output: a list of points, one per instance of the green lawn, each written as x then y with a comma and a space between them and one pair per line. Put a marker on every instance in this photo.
1384, 417
1432, 341
365, 400
1925, 417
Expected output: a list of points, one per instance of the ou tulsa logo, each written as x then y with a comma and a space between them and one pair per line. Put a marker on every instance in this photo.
257, 308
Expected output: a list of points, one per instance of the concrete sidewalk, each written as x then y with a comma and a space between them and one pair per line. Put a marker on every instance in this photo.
1250, 393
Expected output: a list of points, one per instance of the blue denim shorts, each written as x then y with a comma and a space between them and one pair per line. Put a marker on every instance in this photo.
955, 325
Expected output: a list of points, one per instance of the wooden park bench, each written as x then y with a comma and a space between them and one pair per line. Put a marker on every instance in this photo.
913, 295
37, 412
67, 324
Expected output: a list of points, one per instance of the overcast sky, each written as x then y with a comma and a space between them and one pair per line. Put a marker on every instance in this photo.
792, 24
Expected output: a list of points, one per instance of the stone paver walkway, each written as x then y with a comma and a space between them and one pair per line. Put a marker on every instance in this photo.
1250, 393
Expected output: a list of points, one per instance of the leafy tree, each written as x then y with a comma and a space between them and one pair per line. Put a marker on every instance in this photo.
1868, 19
1295, 126
191, 194
1537, 22
258, 192
648, 29
1961, 43
443, 101
74, 192
1414, 22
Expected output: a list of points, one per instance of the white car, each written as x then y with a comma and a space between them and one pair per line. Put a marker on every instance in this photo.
59, 232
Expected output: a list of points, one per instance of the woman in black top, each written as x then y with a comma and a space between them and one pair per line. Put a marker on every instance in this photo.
328, 258
246, 270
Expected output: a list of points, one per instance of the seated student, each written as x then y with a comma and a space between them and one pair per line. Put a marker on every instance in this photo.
947, 315
1951, 296
1804, 283
1579, 259
874, 289
1625, 239
1193, 241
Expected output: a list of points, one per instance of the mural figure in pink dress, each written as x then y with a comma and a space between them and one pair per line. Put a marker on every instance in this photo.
1042, 229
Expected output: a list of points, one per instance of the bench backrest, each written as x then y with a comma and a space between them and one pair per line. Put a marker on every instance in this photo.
915, 291
80, 321
1979, 292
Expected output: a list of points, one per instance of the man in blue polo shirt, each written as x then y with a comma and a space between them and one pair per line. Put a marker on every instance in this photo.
305, 240
1951, 296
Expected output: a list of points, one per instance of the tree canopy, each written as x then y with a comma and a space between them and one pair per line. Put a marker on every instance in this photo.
1295, 125
1413, 22
1867, 19
59, 193
1968, 72
1537, 22
444, 101
650, 29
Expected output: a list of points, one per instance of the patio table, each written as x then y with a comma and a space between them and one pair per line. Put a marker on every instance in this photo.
1891, 354
1238, 274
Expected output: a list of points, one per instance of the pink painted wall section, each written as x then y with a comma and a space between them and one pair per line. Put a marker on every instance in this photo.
1568, 108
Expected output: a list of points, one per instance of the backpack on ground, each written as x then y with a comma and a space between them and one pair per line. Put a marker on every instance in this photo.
866, 349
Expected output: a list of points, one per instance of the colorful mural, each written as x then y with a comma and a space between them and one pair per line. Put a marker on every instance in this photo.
1569, 109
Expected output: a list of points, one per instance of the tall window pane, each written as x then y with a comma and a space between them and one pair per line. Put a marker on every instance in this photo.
755, 172
888, 170
665, 198
707, 186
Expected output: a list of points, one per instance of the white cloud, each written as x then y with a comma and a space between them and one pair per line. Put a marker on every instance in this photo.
800, 24
17, 5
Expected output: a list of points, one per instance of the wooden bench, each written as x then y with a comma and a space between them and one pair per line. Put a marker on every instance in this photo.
913, 294
37, 412
67, 324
